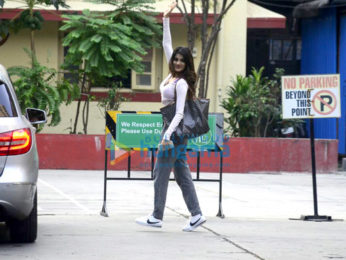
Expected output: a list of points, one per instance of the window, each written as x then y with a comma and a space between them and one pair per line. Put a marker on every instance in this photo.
73, 77
150, 77
144, 79
7, 108
275, 50
70, 77
67, 72
125, 82
299, 50
287, 50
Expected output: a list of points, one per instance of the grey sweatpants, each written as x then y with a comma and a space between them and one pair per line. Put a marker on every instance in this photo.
165, 161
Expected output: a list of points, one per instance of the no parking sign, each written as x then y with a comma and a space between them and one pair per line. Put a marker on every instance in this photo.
311, 96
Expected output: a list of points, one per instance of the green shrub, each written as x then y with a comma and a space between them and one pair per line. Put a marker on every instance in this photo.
253, 104
38, 87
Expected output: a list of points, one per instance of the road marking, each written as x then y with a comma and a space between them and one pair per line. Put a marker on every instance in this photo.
66, 196
219, 235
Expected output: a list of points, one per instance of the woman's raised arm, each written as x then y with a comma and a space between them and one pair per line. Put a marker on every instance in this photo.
167, 39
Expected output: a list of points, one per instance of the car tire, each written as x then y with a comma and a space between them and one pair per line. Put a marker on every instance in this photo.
25, 231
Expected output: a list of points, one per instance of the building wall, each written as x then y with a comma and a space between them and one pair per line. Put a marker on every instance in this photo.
275, 155
96, 123
230, 55
319, 56
342, 71
46, 42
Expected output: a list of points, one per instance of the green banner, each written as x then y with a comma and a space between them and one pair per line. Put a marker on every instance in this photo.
144, 130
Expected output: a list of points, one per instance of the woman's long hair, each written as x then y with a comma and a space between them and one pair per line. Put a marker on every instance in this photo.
189, 73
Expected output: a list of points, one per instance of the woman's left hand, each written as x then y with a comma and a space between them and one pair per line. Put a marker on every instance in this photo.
166, 145
170, 8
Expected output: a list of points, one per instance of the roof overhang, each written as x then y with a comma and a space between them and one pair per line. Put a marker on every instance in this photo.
257, 16
281, 7
299, 8
262, 18
54, 15
252, 22
266, 23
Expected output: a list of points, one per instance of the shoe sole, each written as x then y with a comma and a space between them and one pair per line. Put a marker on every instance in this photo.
196, 226
147, 225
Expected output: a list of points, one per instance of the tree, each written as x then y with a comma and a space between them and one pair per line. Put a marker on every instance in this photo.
4, 31
38, 87
31, 19
208, 37
113, 99
107, 45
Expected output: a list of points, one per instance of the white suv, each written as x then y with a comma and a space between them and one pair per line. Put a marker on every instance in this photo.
18, 164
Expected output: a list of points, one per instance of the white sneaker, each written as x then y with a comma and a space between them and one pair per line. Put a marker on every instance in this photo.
150, 221
194, 223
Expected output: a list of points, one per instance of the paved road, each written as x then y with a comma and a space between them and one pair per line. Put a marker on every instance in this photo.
257, 208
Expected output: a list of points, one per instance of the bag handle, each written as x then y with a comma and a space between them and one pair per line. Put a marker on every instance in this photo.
175, 89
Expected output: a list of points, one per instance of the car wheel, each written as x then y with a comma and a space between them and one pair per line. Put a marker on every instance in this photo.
25, 231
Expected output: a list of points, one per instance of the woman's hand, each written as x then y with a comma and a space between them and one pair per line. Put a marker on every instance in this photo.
170, 9
165, 145
166, 142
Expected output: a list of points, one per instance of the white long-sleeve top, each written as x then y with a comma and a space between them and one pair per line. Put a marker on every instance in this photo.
168, 89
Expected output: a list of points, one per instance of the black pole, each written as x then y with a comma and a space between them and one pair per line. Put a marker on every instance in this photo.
152, 162
198, 163
104, 209
129, 165
313, 165
105, 177
220, 213
314, 217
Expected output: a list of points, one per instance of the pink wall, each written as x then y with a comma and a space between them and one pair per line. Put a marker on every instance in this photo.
86, 152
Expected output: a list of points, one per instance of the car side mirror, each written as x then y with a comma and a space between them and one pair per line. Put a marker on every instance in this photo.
36, 116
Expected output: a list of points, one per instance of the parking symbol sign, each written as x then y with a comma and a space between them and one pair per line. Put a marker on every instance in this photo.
324, 102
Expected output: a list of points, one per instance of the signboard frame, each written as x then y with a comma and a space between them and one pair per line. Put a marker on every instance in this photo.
112, 127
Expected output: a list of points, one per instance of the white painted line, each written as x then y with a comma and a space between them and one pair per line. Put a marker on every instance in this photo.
65, 196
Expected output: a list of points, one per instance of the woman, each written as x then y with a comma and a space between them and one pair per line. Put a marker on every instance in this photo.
179, 85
